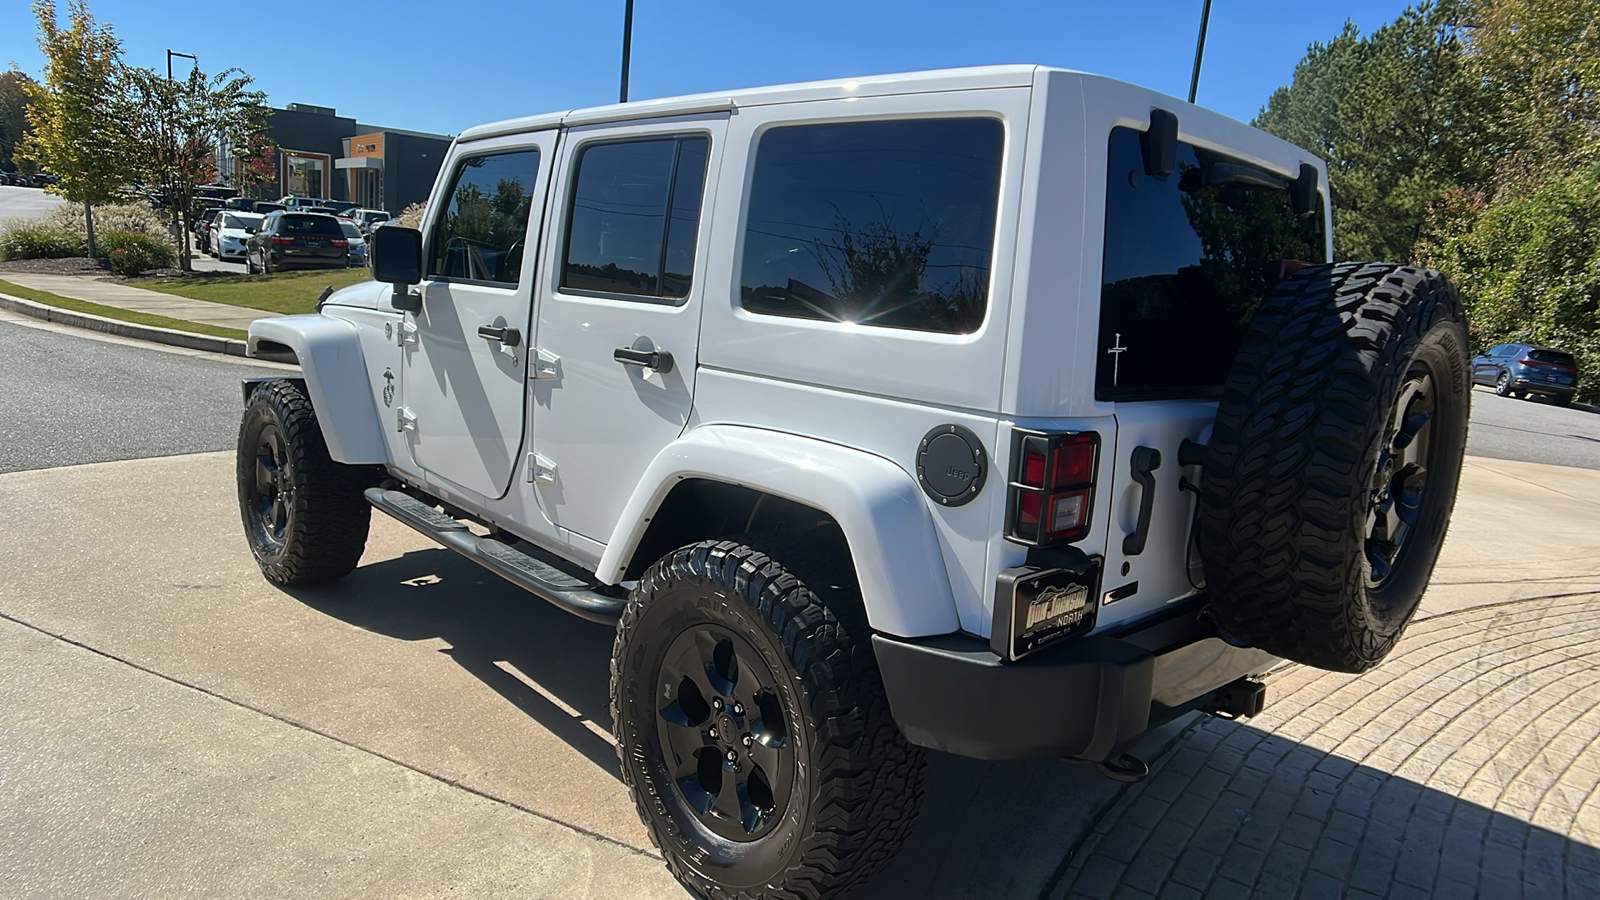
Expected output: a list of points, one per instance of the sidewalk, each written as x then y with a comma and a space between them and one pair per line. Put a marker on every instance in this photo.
122, 296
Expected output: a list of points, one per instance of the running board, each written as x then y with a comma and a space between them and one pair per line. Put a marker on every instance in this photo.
581, 598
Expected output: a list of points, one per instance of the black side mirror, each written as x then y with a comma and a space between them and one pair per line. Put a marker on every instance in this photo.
395, 256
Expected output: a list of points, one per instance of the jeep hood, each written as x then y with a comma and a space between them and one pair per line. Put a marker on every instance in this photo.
366, 295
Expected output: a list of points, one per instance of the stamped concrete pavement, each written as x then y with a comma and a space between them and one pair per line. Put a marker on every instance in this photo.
423, 663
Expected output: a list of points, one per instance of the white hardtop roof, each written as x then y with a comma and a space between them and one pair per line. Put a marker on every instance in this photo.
975, 78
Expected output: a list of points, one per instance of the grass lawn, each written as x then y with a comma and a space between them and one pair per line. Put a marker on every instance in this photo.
285, 292
112, 312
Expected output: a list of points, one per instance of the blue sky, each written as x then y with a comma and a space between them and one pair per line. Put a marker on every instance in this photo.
445, 66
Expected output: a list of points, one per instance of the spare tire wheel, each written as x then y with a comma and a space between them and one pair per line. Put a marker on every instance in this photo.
1333, 466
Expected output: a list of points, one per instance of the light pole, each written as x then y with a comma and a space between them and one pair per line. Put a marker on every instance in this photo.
627, 47
1199, 50
171, 54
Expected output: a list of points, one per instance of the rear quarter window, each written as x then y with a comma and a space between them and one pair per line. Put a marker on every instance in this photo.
887, 223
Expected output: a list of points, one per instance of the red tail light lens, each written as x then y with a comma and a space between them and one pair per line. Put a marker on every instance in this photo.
1052, 486
339, 242
278, 241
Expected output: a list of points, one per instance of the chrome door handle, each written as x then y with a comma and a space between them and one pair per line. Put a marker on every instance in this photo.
511, 337
658, 360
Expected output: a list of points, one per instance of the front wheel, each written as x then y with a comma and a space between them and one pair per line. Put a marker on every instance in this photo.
1502, 385
752, 727
304, 514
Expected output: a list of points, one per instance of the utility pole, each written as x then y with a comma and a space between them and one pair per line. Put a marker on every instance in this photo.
171, 54
627, 47
1199, 50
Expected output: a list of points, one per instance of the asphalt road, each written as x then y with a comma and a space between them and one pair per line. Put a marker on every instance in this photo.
26, 203
1533, 431
67, 400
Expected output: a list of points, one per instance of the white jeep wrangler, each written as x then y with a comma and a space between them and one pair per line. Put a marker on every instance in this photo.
1006, 411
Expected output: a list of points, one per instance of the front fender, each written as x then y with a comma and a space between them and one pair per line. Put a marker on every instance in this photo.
878, 505
329, 351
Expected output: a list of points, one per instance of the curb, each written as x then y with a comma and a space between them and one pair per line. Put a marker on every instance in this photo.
170, 336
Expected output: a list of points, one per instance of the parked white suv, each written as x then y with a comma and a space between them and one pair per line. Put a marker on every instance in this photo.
1006, 411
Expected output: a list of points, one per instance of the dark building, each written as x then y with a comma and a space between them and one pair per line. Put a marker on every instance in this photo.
325, 155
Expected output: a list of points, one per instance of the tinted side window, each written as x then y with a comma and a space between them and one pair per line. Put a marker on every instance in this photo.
1188, 258
877, 223
484, 229
634, 216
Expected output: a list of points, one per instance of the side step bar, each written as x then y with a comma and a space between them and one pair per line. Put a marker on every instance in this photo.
527, 572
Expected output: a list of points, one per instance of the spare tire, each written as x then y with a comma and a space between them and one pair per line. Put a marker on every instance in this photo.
1332, 469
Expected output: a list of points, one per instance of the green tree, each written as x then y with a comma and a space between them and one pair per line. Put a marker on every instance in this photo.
1394, 115
174, 127
77, 134
255, 164
14, 104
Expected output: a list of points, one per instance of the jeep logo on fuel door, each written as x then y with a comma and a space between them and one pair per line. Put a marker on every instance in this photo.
951, 465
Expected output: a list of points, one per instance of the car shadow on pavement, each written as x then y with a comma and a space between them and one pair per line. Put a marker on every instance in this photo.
490, 626
1236, 811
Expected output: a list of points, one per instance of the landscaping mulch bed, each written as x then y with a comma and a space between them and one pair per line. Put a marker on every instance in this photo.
72, 265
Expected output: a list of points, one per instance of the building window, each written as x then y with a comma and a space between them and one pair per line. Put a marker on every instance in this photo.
306, 174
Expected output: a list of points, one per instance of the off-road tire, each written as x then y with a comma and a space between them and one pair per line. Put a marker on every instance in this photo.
858, 782
1288, 485
326, 518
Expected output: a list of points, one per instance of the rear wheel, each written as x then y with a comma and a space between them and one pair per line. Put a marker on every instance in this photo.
1333, 465
304, 514
752, 727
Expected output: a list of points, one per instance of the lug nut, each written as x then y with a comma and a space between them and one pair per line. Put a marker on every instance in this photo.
738, 708
713, 732
732, 756
747, 740
716, 703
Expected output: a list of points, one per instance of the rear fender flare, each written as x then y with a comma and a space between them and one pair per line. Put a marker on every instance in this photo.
336, 377
878, 505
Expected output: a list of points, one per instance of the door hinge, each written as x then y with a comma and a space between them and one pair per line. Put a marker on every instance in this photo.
541, 469
404, 420
546, 365
406, 334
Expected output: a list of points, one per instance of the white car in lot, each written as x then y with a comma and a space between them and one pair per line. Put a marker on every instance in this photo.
230, 230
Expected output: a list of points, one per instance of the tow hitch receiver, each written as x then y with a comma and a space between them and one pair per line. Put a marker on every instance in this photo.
1239, 700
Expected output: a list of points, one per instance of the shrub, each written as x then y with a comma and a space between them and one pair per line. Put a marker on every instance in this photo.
29, 239
411, 216
131, 254
131, 218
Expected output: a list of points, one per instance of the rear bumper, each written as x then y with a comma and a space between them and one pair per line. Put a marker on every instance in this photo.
1087, 699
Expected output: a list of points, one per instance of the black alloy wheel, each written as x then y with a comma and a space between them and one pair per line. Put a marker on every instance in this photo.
1400, 479
752, 728
269, 499
304, 514
723, 733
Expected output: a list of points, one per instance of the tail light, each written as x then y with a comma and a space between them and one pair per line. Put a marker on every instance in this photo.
339, 242
280, 241
1052, 486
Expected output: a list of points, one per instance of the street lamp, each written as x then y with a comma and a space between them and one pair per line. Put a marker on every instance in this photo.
627, 47
171, 54
1199, 50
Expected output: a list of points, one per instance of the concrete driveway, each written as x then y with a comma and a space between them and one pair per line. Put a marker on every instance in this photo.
170, 723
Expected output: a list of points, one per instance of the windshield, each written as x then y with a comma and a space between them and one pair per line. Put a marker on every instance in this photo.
1188, 258
350, 230
1551, 356
235, 220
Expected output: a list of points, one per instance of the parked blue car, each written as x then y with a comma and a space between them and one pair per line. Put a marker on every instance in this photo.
1523, 370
